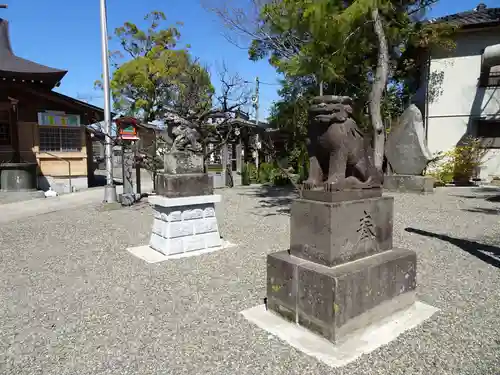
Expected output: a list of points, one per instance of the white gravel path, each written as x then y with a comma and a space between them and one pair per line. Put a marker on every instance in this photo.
74, 301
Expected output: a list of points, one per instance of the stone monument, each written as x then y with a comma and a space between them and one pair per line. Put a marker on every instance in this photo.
184, 209
341, 272
407, 155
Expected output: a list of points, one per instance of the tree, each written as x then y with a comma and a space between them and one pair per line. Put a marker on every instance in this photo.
211, 115
146, 74
331, 43
150, 72
154, 79
160, 79
290, 116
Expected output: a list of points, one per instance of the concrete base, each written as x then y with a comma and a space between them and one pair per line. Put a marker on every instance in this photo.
360, 342
335, 301
149, 255
184, 224
409, 183
110, 194
62, 185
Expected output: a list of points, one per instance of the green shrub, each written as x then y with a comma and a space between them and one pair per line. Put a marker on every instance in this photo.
265, 171
245, 175
214, 168
248, 174
278, 178
459, 164
252, 171
303, 166
303, 170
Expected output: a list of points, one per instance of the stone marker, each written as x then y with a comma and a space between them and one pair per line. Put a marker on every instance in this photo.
184, 209
407, 154
128, 197
341, 272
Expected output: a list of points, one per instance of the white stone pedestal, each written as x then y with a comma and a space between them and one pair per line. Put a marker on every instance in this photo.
184, 224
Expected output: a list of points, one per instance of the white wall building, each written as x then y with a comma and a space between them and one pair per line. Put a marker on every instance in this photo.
460, 94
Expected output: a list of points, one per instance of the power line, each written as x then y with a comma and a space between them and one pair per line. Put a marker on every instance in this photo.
264, 83
87, 97
270, 84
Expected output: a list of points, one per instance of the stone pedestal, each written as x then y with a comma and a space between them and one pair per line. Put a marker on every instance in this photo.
184, 224
409, 183
184, 209
341, 272
335, 233
184, 185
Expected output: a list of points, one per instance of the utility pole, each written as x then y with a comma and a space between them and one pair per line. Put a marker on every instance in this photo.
256, 105
110, 188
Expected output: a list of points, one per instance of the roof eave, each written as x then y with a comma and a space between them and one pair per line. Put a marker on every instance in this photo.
484, 25
47, 80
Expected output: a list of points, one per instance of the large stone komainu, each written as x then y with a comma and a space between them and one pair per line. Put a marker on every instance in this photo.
339, 154
341, 272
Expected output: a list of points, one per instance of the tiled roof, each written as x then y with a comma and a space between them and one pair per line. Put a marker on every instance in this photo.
481, 16
17, 67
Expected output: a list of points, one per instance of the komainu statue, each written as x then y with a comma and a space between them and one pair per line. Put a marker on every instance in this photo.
340, 156
184, 136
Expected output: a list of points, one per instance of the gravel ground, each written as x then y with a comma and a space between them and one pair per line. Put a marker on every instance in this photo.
74, 301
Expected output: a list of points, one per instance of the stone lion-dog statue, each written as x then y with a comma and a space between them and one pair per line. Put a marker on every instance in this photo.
340, 156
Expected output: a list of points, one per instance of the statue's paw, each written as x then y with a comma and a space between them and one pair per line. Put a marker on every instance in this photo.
354, 183
309, 185
332, 186
373, 182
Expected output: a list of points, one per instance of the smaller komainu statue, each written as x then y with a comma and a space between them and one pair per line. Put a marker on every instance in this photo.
186, 139
184, 135
340, 156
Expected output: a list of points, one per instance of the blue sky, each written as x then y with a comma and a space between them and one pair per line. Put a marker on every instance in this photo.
65, 34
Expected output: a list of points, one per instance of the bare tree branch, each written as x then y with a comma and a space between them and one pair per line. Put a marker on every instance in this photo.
212, 118
244, 23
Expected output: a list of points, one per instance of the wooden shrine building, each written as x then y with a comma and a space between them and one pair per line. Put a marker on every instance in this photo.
39, 126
